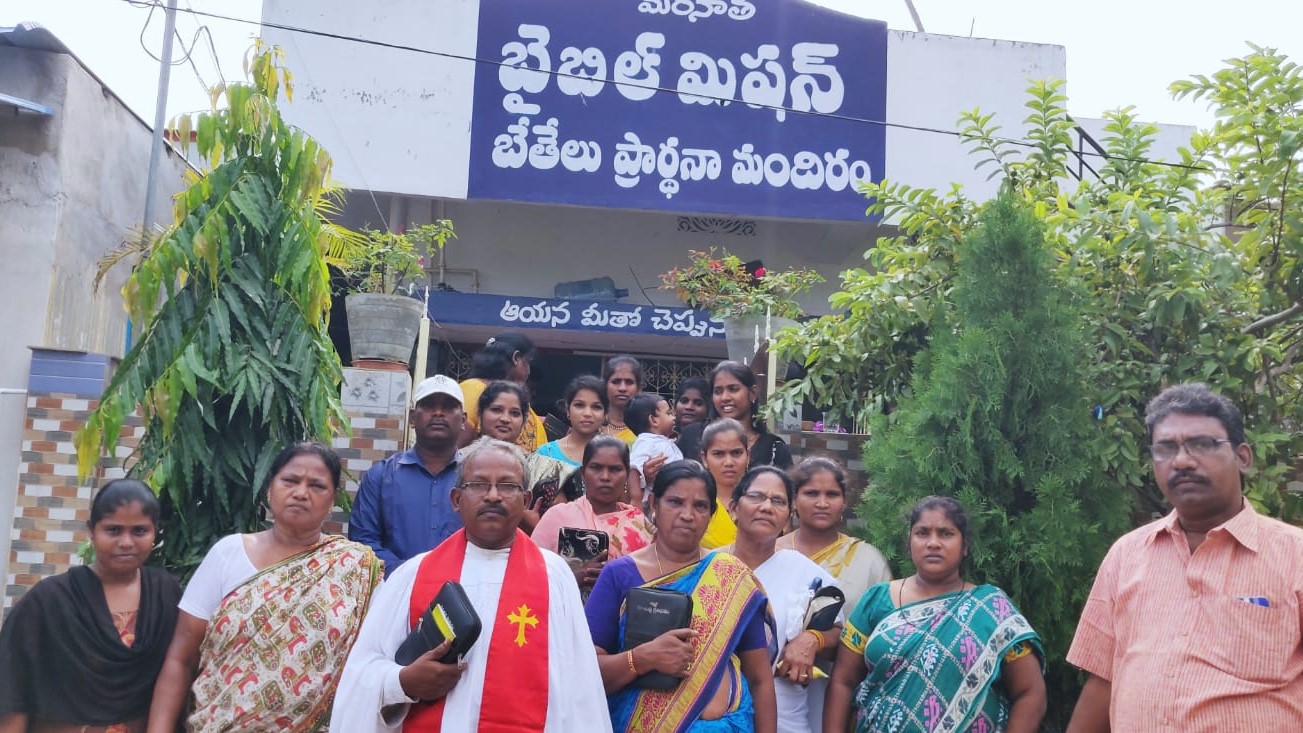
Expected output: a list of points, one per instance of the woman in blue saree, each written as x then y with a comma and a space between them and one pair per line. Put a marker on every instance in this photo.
723, 658
933, 652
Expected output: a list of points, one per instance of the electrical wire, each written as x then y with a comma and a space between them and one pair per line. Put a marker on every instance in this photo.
212, 47
651, 87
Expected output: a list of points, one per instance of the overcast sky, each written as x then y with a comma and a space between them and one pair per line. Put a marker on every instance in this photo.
1120, 52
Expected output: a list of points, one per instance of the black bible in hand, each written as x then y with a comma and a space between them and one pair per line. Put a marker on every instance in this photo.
651, 612
449, 616
581, 545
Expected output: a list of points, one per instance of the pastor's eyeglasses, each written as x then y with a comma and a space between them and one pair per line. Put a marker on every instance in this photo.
507, 489
1198, 446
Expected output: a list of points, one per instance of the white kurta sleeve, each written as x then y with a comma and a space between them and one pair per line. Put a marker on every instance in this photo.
576, 699
370, 697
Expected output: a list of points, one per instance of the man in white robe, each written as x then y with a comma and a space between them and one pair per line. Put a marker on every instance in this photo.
376, 693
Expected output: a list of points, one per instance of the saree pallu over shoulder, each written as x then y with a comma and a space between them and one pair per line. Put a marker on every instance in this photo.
725, 597
932, 664
855, 564
277, 643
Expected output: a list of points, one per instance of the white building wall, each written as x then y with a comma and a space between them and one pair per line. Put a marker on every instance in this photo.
394, 120
933, 79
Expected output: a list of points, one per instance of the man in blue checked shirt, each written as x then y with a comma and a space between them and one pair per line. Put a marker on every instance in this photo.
403, 506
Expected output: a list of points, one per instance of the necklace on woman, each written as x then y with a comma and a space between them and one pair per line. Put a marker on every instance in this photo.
660, 569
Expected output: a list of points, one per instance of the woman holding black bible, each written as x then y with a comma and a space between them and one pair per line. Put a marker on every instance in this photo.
605, 475
710, 673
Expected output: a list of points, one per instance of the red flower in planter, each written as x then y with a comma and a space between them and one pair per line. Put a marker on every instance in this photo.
760, 272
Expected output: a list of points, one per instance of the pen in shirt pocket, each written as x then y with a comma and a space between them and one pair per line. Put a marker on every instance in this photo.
1255, 600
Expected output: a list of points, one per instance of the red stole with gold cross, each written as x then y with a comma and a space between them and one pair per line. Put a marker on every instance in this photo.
515, 682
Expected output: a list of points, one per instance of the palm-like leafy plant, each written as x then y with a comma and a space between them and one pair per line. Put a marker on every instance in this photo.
232, 300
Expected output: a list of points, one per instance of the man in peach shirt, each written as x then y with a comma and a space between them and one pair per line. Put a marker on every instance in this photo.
1193, 623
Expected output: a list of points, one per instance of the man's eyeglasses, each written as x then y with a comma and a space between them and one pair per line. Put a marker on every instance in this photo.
507, 490
1198, 447
758, 498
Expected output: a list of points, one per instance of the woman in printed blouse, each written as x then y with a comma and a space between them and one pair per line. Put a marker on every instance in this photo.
933, 651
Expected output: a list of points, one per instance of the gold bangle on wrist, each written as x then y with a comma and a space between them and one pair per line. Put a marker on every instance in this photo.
629, 658
817, 636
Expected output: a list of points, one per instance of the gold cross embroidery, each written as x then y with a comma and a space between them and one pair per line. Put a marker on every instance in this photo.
521, 618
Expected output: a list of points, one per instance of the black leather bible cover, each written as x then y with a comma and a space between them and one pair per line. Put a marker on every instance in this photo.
450, 615
651, 612
581, 544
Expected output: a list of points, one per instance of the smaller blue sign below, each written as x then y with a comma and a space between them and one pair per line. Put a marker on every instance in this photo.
511, 311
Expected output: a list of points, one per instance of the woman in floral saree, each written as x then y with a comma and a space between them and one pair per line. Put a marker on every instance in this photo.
723, 658
268, 618
604, 477
934, 653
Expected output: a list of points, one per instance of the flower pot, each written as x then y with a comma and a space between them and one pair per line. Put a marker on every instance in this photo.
744, 334
382, 327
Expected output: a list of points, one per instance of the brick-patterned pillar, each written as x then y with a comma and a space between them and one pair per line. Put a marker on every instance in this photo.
51, 507
376, 403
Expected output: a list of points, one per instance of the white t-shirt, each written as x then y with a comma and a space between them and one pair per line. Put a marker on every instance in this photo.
649, 445
224, 568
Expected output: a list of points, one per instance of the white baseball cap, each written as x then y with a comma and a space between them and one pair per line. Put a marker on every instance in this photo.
438, 384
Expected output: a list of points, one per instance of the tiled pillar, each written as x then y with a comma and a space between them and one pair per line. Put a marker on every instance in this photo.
51, 506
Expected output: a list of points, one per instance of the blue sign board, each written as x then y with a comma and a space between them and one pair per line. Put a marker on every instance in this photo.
514, 312
741, 107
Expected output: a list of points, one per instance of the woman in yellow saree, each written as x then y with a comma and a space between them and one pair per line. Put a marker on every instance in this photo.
268, 618
723, 658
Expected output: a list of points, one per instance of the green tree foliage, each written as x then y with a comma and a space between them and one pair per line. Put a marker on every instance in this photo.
233, 360
1186, 270
997, 417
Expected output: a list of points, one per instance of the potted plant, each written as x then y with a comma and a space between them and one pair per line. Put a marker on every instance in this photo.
383, 303
752, 302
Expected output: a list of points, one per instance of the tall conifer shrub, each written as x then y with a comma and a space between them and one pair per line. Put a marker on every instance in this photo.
996, 417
